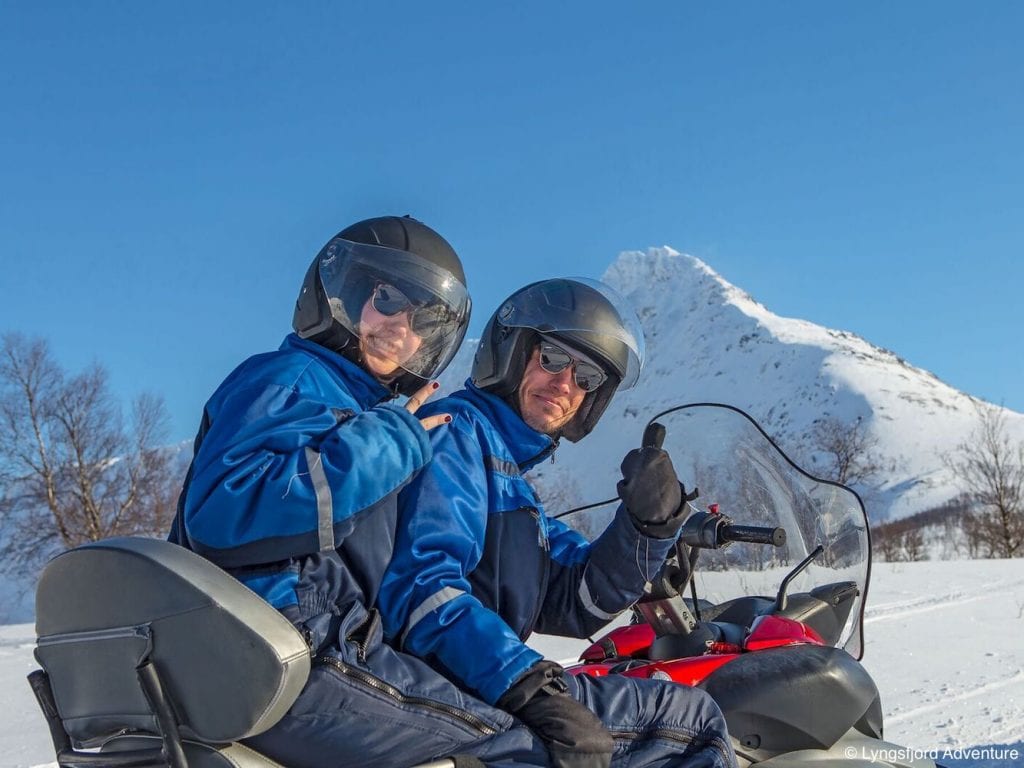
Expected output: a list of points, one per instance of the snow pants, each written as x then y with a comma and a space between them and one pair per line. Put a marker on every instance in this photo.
367, 705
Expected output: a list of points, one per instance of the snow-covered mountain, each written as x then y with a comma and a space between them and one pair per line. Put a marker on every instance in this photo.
707, 340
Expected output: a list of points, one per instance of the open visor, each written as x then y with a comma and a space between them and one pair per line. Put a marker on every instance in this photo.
599, 318
421, 309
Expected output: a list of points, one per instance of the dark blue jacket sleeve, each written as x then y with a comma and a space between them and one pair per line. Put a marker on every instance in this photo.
280, 474
592, 583
426, 600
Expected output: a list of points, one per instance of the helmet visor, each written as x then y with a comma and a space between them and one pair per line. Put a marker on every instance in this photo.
586, 314
404, 309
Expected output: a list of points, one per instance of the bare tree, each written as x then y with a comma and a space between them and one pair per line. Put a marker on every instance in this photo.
71, 469
901, 541
886, 543
976, 533
849, 451
912, 544
990, 467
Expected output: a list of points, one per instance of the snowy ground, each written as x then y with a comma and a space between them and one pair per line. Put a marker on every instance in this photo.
945, 643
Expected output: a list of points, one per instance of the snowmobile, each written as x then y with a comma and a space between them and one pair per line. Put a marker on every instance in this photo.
152, 657
771, 625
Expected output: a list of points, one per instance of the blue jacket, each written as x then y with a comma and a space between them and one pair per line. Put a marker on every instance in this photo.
478, 566
293, 485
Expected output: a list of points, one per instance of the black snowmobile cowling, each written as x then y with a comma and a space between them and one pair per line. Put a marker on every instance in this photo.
806, 697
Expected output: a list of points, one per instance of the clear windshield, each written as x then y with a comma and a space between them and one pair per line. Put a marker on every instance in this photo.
735, 465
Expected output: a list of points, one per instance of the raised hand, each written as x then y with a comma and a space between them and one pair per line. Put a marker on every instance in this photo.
650, 489
418, 398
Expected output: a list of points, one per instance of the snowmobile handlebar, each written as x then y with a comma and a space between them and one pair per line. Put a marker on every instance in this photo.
710, 530
754, 534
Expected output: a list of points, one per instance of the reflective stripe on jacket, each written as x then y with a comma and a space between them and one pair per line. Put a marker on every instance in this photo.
478, 566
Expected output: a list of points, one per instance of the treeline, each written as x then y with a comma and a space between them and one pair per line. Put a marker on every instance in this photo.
918, 536
953, 530
985, 520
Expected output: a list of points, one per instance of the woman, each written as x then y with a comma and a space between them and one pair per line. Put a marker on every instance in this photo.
298, 462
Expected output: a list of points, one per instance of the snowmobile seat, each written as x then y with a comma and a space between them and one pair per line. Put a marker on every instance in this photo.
154, 657
140, 636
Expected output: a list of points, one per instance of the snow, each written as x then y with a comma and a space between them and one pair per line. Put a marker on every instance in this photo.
24, 739
943, 644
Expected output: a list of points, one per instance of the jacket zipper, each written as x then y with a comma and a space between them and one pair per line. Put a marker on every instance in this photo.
365, 629
389, 690
361, 651
548, 451
663, 733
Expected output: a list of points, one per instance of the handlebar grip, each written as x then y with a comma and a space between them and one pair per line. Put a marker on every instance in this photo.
654, 435
754, 534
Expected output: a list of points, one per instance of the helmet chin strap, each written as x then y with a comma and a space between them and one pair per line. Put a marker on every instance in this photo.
586, 419
512, 399
573, 429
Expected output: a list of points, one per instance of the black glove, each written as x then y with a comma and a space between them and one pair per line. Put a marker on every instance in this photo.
652, 493
573, 735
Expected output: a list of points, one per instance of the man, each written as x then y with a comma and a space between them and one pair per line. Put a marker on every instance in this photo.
478, 566
293, 486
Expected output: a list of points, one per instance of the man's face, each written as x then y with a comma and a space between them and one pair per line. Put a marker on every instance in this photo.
548, 401
386, 341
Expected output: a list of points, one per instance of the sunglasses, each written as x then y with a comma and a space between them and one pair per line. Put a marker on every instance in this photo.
424, 319
554, 359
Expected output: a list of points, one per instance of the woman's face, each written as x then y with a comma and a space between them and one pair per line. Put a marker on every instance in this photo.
386, 341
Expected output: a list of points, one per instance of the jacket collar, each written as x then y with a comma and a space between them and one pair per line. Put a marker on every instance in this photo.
362, 386
527, 446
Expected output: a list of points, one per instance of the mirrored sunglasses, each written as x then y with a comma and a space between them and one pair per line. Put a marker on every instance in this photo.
424, 320
554, 359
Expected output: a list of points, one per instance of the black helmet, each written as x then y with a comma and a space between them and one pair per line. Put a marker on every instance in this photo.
382, 255
587, 316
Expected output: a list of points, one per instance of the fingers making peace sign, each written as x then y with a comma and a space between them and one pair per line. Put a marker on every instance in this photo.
418, 398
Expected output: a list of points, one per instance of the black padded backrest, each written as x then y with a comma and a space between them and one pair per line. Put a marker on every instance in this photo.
230, 663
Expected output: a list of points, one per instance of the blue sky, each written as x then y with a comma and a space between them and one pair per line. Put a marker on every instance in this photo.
167, 171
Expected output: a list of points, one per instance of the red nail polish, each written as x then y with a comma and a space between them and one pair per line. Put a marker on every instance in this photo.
435, 385
447, 419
